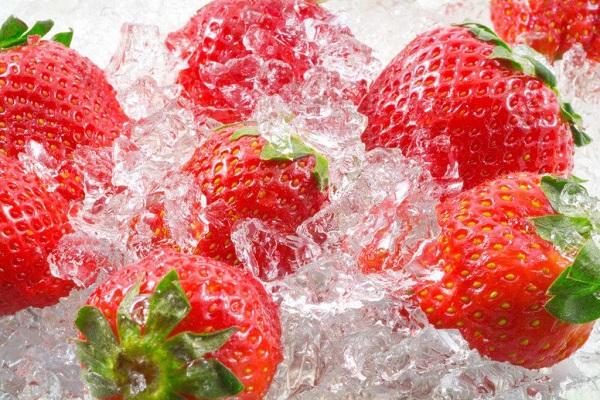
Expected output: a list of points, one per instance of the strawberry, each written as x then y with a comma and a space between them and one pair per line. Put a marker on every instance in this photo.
519, 269
466, 103
51, 94
32, 221
179, 326
242, 175
551, 27
240, 50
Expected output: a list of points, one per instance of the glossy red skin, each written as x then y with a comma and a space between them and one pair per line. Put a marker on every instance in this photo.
53, 95
70, 183
32, 221
551, 27
221, 297
497, 120
496, 274
216, 35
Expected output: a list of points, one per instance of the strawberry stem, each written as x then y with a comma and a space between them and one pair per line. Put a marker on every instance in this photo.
152, 365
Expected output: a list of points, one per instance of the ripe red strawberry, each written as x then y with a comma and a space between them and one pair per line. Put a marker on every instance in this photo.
551, 27
178, 326
70, 183
463, 101
243, 176
506, 284
51, 94
240, 50
32, 221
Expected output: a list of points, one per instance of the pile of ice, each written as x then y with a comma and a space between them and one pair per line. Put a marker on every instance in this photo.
346, 335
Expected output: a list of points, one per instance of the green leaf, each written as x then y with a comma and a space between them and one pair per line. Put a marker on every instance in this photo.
517, 62
553, 187
575, 309
193, 346
40, 28
484, 33
586, 267
127, 327
575, 121
576, 292
566, 233
564, 286
294, 150
580, 138
168, 306
208, 379
245, 131
99, 354
12, 28
96, 329
64, 38
543, 72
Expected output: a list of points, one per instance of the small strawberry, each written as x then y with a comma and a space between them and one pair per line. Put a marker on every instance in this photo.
520, 268
242, 175
551, 27
179, 327
32, 221
241, 50
51, 94
466, 103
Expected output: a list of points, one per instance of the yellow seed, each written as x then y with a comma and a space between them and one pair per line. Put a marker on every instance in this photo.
464, 299
506, 197
451, 310
521, 256
477, 241
486, 203
524, 342
475, 256
510, 277
505, 306
536, 203
429, 310
491, 265
449, 285
535, 323
423, 293
477, 314
502, 321
546, 346
498, 246
464, 273
439, 297
493, 295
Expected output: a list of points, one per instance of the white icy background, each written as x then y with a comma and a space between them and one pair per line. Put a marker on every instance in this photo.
343, 336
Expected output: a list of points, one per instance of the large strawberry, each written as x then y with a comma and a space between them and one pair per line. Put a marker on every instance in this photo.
179, 327
550, 26
32, 221
520, 269
242, 175
51, 94
240, 50
466, 103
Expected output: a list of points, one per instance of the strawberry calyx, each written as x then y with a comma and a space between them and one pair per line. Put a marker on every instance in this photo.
146, 363
527, 60
575, 294
14, 32
291, 149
